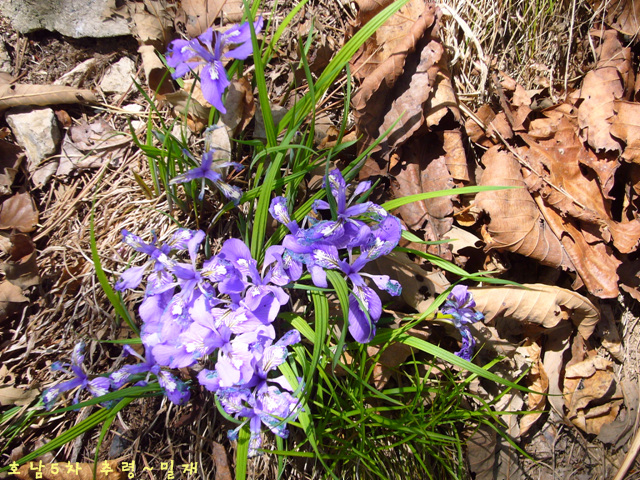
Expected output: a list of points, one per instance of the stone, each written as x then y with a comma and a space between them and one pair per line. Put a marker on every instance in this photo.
5, 59
77, 76
36, 130
136, 122
73, 18
119, 76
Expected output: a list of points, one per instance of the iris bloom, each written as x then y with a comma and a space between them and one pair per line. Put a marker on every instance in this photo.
175, 389
210, 49
460, 306
97, 387
207, 170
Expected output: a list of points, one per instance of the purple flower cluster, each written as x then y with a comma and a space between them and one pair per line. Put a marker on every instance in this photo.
209, 50
221, 312
365, 229
460, 306
223, 309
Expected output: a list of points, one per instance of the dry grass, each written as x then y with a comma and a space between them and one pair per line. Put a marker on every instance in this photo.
539, 44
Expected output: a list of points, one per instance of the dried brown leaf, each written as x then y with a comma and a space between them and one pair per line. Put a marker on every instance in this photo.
200, 14
420, 172
408, 106
538, 382
21, 94
626, 126
17, 396
155, 71
11, 157
481, 453
591, 393
595, 262
184, 103
240, 106
623, 15
381, 62
21, 269
611, 80
537, 305
19, 212
619, 431
222, 464
9, 294
515, 223
570, 191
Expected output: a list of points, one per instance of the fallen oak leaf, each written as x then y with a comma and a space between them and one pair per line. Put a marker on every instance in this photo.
19, 94
537, 305
515, 223
198, 15
17, 396
22, 268
19, 212
9, 294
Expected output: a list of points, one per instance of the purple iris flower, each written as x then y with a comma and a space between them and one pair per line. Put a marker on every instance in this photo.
266, 405
97, 387
210, 49
346, 230
207, 170
460, 306
365, 306
175, 389
160, 261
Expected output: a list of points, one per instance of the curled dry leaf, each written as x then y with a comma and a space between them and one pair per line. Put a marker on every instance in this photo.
591, 393
19, 94
626, 127
68, 471
21, 269
623, 15
419, 287
618, 432
219, 455
539, 305
9, 294
419, 172
240, 105
19, 212
11, 157
152, 22
90, 146
538, 382
571, 192
381, 62
17, 396
515, 223
600, 89
198, 15
185, 104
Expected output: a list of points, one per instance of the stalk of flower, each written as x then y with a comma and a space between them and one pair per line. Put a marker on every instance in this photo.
209, 50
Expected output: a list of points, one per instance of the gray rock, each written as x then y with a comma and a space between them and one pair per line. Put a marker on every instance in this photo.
119, 76
73, 18
77, 76
5, 59
36, 130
